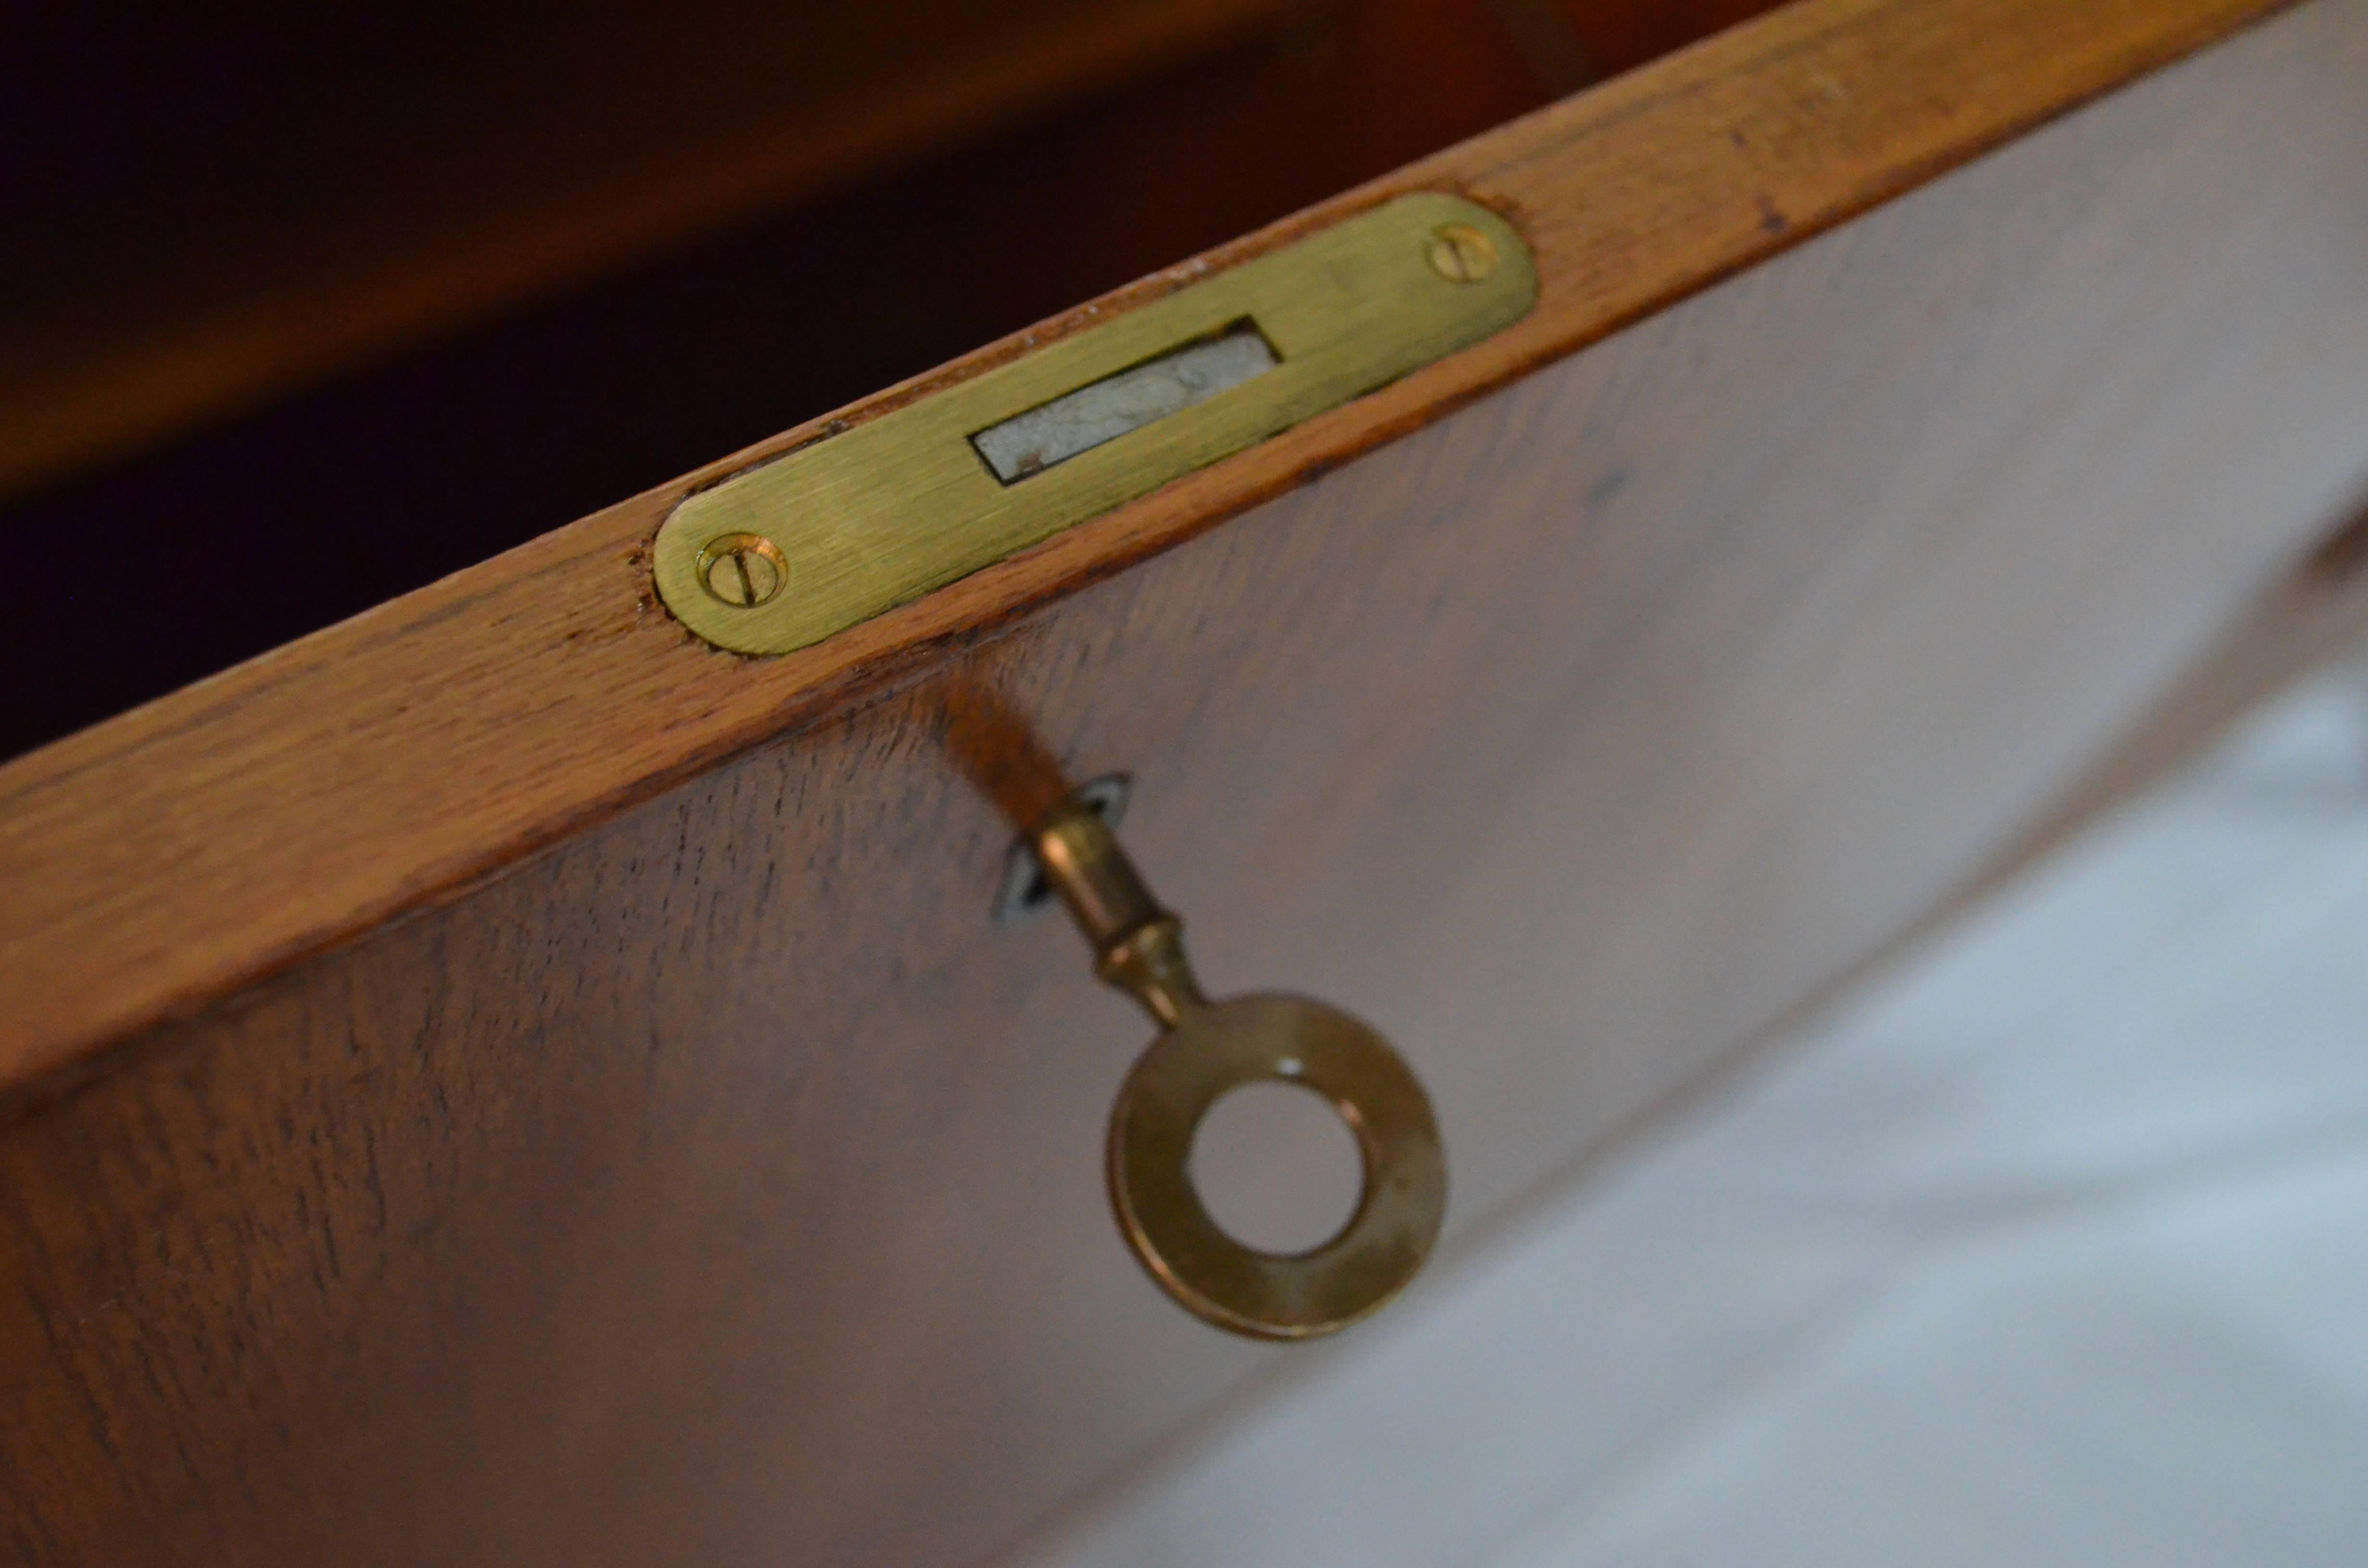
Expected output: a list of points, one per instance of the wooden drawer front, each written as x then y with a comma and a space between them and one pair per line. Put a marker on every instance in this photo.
718, 1183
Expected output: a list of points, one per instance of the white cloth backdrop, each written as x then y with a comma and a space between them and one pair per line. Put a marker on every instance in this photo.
2052, 1249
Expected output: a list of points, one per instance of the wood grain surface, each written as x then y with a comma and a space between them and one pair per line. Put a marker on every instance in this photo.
716, 1183
160, 861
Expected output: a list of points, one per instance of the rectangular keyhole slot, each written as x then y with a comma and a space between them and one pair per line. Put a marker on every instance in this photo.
1126, 400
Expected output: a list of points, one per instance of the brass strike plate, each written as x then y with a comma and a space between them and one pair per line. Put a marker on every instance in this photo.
809, 544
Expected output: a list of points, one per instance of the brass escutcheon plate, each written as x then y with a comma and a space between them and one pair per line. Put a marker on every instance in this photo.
907, 503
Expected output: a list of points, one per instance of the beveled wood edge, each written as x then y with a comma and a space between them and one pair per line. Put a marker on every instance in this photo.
158, 862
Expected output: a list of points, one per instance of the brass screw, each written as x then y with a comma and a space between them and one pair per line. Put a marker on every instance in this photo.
742, 570
1462, 254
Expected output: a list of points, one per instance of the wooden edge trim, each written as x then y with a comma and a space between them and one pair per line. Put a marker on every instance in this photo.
156, 863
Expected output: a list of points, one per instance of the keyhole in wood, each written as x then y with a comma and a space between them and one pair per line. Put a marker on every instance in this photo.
1277, 1168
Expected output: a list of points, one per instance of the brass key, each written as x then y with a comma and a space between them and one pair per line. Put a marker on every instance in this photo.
1206, 1048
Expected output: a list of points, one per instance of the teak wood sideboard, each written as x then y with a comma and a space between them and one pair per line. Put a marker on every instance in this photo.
502, 1080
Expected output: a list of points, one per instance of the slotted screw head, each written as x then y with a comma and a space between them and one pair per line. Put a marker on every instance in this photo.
1462, 254
742, 570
